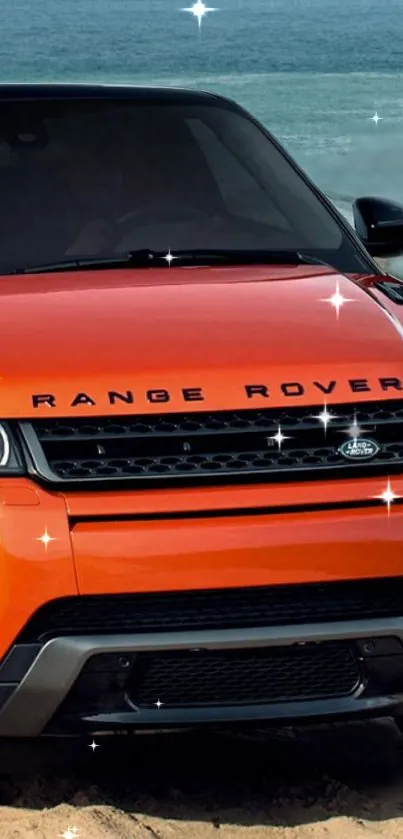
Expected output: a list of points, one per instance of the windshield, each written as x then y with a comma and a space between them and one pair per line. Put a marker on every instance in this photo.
84, 178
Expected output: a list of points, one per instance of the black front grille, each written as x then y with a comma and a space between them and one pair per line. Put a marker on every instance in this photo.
217, 608
219, 445
224, 677
186, 678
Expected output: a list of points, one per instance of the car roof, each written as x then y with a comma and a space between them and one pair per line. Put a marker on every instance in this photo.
31, 91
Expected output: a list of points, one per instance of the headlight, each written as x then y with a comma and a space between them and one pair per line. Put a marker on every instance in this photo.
10, 459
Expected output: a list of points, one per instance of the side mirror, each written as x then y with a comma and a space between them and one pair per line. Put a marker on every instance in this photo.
379, 225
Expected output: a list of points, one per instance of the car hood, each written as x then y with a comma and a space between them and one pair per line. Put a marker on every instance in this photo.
188, 339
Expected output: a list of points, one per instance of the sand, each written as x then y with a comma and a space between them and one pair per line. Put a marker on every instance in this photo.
343, 781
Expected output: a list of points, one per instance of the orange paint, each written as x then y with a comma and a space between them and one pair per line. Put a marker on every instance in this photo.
31, 572
216, 329
165, 555
237, 551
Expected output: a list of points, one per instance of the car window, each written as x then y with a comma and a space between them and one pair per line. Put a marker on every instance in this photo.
241, 192
83, 178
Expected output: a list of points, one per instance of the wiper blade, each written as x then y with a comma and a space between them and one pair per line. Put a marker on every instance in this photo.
83, 264
144, 258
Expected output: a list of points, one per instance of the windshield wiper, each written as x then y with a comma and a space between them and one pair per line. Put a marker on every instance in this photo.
144, 258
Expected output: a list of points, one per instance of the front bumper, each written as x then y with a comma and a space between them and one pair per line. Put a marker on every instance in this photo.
78, 545
36, 705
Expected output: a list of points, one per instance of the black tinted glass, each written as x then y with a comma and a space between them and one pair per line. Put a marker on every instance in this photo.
85, 178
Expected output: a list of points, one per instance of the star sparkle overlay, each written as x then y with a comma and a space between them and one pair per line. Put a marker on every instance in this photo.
93, 746
279, 437
388, 496
169, 258
46, 539
325, 417
158, 704
199, 10
70, 833
337, 300
354, 431
376, 118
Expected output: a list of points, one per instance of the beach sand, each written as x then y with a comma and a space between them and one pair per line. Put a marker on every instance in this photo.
329, 782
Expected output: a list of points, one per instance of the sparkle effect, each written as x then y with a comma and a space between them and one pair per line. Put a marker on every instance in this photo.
325, 417
279, 437
158, 704
169, 258
93, 746
387, 496
376, 118
45, 539
199, 10
354, 431
70, 833
337, 300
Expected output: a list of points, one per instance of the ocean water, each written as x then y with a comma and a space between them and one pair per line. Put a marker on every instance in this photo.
314, 71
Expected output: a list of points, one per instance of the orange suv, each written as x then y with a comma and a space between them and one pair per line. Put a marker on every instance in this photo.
201, 438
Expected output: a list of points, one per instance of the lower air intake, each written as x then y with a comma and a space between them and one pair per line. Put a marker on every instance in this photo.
221, 677
210, 678
230, 608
